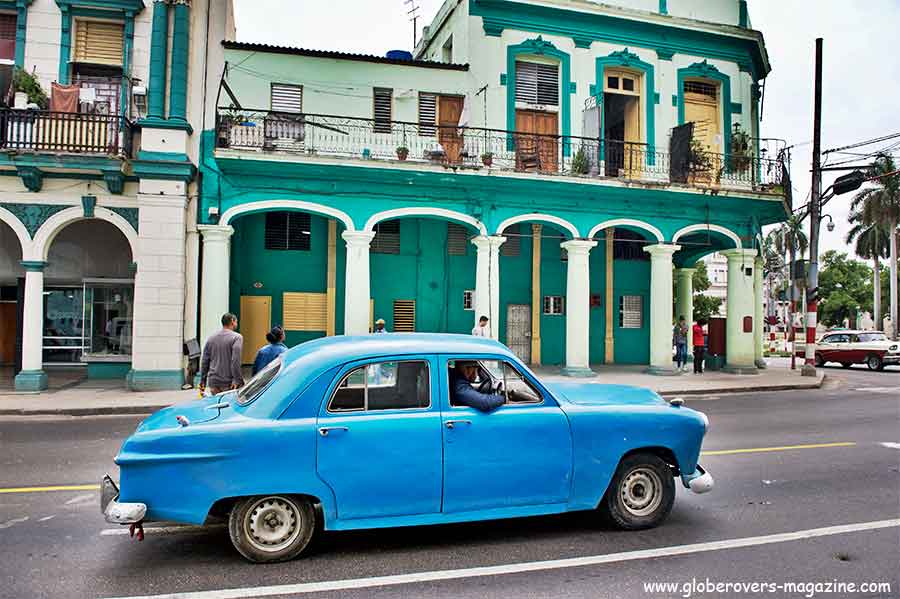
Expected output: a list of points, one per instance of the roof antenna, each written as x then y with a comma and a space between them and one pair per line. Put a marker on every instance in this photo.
412, 13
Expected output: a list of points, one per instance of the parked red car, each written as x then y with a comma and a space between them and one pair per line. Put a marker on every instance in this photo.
848, 347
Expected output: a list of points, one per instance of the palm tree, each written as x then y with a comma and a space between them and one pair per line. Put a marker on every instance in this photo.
773, 269
880, 204
872, 243
789, 240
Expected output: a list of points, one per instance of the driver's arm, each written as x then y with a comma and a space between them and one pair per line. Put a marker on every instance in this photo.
464, 394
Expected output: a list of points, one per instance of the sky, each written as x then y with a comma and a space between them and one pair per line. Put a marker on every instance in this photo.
861, 72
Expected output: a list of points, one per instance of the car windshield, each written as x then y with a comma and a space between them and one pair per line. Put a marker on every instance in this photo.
258, 383
867, 337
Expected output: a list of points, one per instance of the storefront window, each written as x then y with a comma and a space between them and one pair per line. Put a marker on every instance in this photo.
109, 312
63, 324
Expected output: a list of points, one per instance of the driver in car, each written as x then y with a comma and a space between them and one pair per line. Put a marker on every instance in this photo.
462, 375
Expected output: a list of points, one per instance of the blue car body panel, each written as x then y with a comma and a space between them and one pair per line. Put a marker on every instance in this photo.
399, 467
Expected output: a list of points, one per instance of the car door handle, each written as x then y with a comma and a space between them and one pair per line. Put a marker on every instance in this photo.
327, 429
453, 423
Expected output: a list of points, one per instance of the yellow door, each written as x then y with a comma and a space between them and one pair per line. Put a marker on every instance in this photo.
254, 322
633, 149
703, 111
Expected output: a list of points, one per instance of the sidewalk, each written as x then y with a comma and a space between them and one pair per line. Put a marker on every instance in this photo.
111, 397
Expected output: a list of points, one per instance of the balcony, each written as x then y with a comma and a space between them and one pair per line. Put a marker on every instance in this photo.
493, 151
43, 131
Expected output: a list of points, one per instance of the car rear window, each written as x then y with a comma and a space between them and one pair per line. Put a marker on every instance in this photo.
258, 383
867, 337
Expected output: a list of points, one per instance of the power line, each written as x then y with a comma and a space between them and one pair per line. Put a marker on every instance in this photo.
864, 143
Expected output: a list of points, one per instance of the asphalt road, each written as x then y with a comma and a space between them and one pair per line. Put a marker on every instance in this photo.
54, 543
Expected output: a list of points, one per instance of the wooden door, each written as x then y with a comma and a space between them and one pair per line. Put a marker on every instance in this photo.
449, 110
518, 330
633, 148
7, 332
537, 152
254, 322
703, 111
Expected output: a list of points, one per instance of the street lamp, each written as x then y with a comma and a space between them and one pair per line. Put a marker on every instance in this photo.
830, 225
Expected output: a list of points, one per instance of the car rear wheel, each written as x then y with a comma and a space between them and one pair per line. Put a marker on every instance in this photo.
641, 493
271, 528
874, 362
819, 361
846, 364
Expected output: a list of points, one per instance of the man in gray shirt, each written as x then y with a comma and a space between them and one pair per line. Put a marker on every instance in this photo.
221, 362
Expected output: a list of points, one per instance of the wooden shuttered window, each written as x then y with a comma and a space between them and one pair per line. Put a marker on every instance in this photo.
7, 36
457, 239
286, 98
404, 316
537, 83
387, 238
427, 114
383, 104
304, 311
513, 245
287, 231
98, 42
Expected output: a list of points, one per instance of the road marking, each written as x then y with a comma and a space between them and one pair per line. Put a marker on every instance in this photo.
879, 389
781, 448
108, 532
891, 445
574, 562
13, 522
81, 499
45, 518
53, 488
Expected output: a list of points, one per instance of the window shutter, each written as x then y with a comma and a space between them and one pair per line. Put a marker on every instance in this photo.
631, 312
7, 27
537, 83
287, 231
427, 114
513, 244
286, 98
383, 109
98, 42
457, 238
404, 316
304, 311
387, 238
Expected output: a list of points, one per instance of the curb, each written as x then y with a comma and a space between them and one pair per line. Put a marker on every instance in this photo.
95, 411
760, 389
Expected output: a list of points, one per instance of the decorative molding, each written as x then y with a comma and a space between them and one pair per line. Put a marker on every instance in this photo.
33, 215
115, 181
736, 108
582, 41
502, 78
33, 265
88, 202
32, 177
663, 8
129, 214
665, 53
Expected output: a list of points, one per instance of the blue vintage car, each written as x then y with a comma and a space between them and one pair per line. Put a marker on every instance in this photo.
368, 432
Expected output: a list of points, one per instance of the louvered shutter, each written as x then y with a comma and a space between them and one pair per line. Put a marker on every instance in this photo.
304, 311
383, 109
287, 231
513, 244
404, 316
98, 42
631, 312
7, 36
457, 237
387, 238
537, 83
286, 98
427, 114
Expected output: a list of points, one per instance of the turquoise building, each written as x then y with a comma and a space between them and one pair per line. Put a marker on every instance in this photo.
558, 166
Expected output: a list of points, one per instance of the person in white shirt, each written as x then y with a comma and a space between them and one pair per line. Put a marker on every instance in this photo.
481, 329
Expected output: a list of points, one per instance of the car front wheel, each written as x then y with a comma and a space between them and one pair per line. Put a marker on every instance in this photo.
874, 362
272, 528
641, 493
819, 361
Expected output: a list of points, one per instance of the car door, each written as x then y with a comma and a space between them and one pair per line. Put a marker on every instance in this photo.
379, 439
519, 454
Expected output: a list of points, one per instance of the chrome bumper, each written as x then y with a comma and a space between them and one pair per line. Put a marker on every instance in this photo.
115, 512
891, 359
699, 481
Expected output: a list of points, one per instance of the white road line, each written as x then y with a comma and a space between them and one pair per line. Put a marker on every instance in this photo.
45, 518
150, 530
890, 445
879, 389
575, 562
79, 499
13, 522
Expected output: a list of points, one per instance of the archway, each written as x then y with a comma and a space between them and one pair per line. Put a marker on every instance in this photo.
11, 282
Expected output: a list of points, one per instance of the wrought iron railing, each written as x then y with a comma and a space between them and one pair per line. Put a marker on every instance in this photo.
70, 132
479, 148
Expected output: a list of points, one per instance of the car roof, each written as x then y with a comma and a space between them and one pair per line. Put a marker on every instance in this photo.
344, 348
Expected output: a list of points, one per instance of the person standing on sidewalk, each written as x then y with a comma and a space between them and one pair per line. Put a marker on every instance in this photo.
481, 329
267, 353
679, 338
221, 363
699, 348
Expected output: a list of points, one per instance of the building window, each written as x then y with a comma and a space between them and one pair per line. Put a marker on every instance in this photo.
287, 231
7, 36
537, 83
457, 239
468, 299
631, 312
622, 82
304, 311
387, 238
628, 245
404, 316
383, 109
554, 305
427, 114
512, 247
99, 42
284, 97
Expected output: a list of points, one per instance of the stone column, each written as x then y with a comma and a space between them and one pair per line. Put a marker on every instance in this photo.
32, 376
739, 305
214, 283
578, 296
661, 307
357, 294
758, 328
487, 280
684, 302
180, 58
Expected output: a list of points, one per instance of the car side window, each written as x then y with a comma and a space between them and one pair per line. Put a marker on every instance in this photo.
854, 339
517, 388
383, 386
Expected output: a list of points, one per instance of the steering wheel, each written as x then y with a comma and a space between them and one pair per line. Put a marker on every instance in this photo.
490, 386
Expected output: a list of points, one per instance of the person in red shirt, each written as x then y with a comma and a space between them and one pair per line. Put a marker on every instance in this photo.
699, 348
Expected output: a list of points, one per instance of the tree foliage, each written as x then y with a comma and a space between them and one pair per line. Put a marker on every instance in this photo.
845, 286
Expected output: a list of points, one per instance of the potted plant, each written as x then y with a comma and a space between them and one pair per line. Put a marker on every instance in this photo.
27, 83
699, 159
580, 164
487, 159
402, 152
741, 148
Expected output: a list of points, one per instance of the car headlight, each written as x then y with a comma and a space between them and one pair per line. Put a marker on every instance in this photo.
705, 420
892, 348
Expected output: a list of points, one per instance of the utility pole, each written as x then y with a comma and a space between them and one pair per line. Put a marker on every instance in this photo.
812, 281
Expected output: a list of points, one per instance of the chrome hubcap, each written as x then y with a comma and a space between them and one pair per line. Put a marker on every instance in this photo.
272, 523
641, 491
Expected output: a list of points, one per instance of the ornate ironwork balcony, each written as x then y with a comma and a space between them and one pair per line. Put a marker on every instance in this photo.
317, 135
64, 132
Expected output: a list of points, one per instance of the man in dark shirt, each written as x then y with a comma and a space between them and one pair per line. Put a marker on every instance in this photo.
221, 364
462, 393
